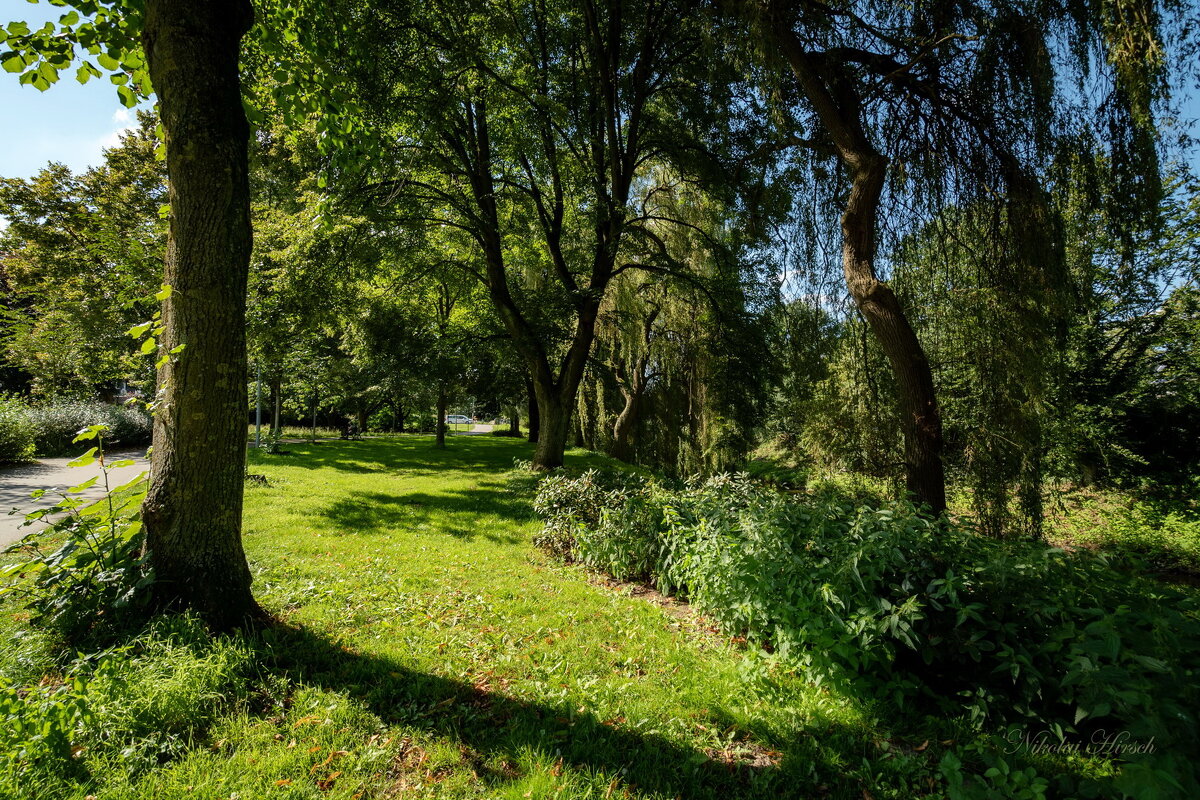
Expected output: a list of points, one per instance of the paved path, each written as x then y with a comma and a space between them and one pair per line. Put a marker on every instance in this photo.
17, 483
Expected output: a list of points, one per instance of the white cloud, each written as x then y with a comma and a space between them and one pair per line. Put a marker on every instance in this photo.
113, 139
123, 116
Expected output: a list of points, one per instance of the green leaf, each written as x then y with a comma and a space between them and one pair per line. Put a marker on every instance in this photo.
127, 95
90, 432
86, 72
149, 346
89, 483
138, 331
13, 62
107, 62
86, 459
164, 293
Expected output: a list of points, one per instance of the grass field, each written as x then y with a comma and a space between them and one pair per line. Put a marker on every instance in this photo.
428, 650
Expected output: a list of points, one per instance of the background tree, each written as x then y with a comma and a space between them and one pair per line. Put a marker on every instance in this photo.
929, 105
82, 259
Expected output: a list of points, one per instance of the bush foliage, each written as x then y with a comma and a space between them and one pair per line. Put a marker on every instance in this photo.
16, 432
892, 604
56, 425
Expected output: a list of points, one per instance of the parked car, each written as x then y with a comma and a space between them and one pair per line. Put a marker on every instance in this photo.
457, 419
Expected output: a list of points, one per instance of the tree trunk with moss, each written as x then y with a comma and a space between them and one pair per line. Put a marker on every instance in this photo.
193, 511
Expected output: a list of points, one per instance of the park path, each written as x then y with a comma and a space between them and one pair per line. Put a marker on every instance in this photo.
18, 482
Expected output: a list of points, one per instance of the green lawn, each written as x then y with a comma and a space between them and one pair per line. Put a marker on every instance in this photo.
430, 650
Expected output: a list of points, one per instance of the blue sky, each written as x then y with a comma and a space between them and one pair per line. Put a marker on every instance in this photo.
72, 123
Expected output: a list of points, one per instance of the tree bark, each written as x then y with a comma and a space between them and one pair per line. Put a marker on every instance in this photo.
839, 108
440, 440
919, 412
533, 415
514, 427
625, 424
554, 424
277, 405
193, 510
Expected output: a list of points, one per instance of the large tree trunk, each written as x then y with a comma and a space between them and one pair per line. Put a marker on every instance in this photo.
830, 90
533, 415
554, 424
440, 440
924, 474
193, 510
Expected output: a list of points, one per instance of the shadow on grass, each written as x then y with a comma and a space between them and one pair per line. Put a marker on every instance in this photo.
457, 513
492, 724
407, 452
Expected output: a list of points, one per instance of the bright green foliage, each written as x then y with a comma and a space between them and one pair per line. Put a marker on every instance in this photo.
1165, 537
16, 431
904, 608
106, 30
82, 258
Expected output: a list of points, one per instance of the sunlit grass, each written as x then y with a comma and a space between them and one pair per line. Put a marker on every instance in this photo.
429, 650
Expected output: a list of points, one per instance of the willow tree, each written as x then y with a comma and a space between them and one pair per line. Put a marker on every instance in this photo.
528, 126
922, 106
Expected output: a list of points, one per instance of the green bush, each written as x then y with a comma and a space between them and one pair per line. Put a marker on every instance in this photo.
570, 504
896, 606
16, 431
56, 425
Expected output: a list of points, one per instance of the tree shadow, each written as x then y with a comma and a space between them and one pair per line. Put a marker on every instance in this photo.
408, 453
377, 513
493, 724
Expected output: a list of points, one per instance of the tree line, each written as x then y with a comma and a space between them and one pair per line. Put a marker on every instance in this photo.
918, 241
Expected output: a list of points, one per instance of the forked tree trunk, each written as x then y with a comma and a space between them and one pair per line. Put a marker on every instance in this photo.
626, 422
193, 510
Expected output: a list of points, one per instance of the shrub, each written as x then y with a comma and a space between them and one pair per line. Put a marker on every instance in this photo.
16, 431
565, 503
898, 606
56, 425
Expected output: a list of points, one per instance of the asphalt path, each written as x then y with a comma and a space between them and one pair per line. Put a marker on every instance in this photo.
17, 484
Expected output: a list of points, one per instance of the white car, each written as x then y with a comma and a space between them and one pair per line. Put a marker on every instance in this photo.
457, 419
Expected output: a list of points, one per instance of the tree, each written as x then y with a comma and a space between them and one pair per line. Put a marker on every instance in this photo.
193, 510
921, 95
188, 54
82, 258
528, 127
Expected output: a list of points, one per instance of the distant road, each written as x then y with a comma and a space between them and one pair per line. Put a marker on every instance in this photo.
17, 483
